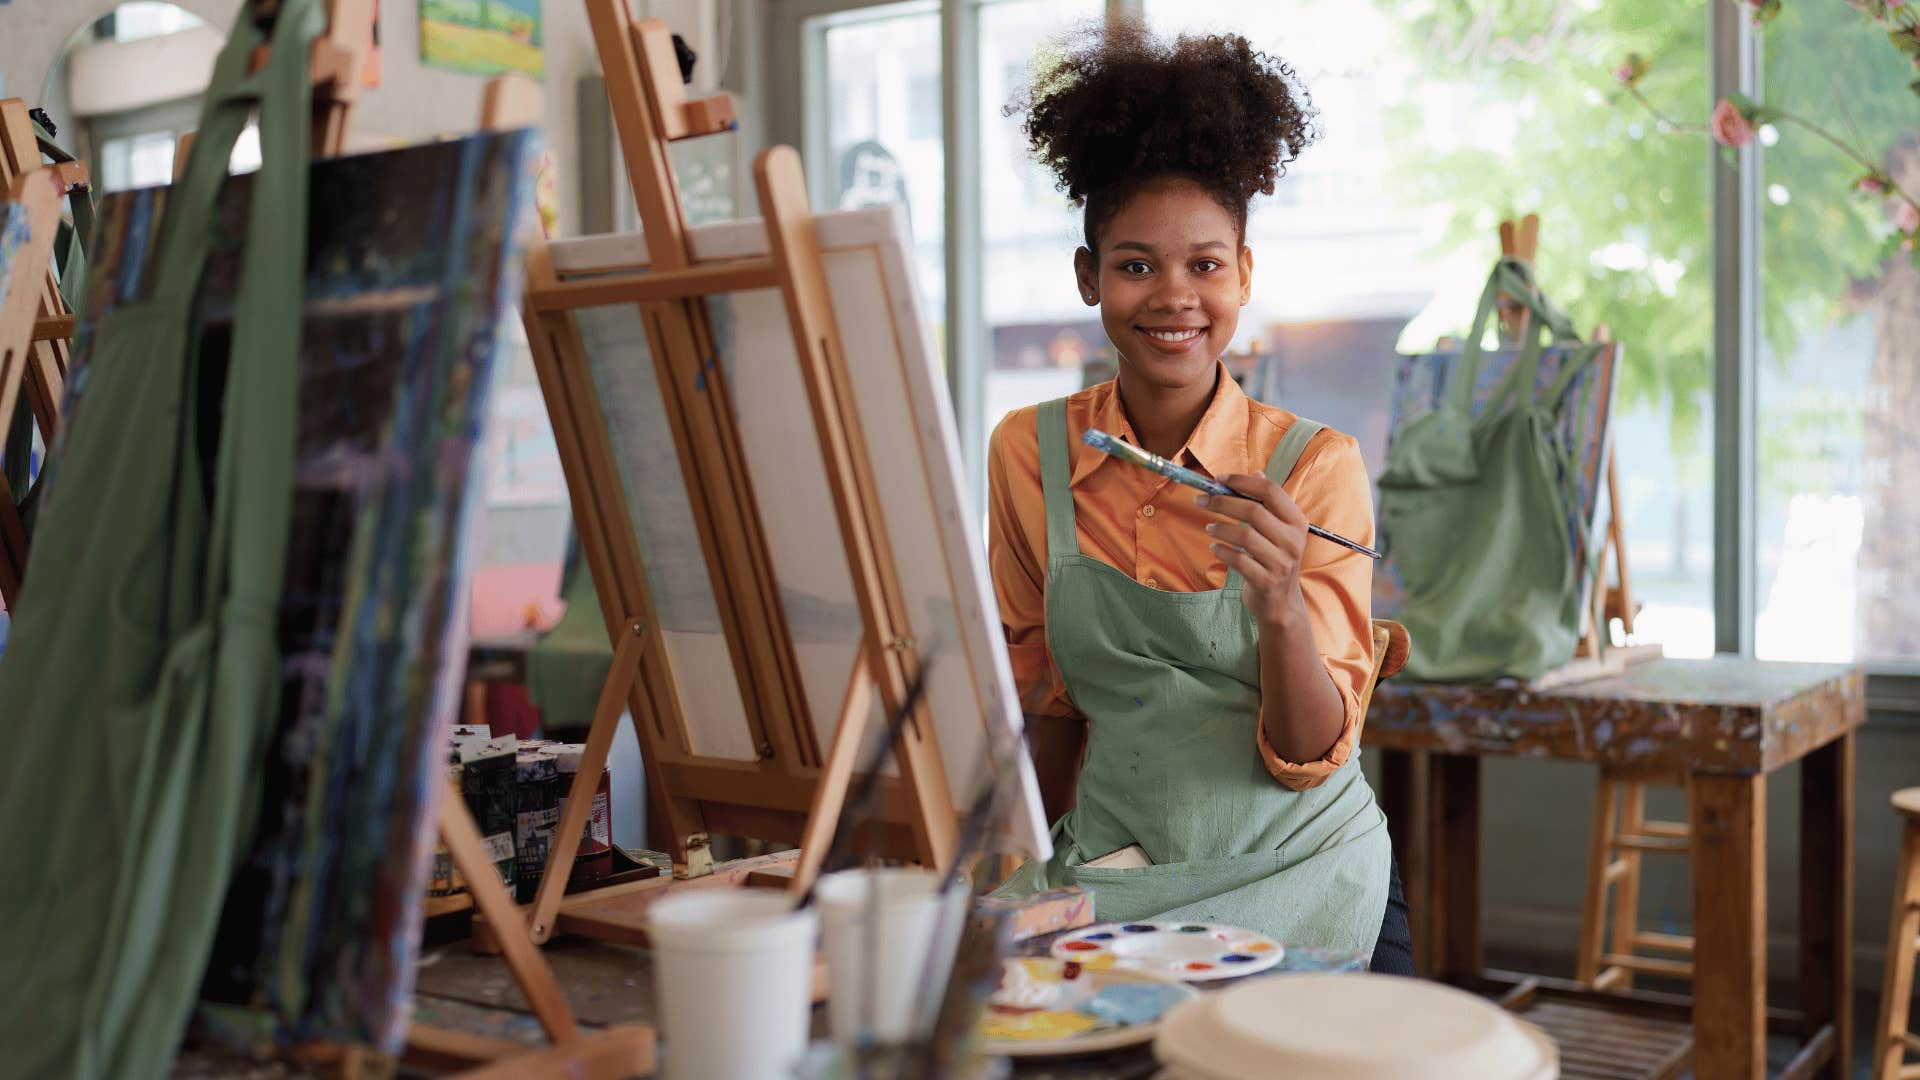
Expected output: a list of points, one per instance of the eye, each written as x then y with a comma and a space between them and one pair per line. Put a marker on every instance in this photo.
1207, 266
1136, 266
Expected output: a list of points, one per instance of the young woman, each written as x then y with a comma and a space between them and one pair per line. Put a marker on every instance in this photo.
1197, 660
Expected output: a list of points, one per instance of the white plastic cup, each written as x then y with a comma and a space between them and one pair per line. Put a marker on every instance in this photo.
733, 976
880, 987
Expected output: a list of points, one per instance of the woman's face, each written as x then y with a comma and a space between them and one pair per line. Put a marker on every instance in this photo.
1170, 278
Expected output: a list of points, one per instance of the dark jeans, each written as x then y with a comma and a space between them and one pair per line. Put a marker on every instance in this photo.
1393, 953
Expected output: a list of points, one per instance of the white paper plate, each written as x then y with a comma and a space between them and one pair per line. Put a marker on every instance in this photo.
1331, 1024
1191, 952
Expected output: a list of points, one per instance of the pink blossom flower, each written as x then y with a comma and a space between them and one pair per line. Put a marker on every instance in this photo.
1631, 70
1871, 185
1905, 215
1730, 126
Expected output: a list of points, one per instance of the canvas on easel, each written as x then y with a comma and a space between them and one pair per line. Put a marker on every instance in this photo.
763, 469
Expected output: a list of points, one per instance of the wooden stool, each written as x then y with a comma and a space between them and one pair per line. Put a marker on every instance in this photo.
1613, 863
1891, 1044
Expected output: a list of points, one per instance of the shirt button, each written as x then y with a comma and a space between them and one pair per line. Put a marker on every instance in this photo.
1147, 510
1151, 583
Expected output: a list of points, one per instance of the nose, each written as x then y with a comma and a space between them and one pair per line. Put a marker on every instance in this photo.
1174, 293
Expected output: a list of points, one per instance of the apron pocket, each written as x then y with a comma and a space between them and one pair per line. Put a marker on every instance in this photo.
1143, 892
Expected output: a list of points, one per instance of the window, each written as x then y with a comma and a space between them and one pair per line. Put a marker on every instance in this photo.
1837, 565
882, 144
1435, 126
1041, 336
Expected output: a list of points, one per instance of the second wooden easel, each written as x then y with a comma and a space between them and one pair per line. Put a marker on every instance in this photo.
35, 326
1596, 655
793, 793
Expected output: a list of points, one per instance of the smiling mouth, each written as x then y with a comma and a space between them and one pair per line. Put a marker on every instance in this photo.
1174, 336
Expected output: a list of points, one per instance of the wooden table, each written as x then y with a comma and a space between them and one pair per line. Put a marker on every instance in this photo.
1726, 723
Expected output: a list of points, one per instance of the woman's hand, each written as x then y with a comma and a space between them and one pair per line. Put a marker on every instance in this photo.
1263, 539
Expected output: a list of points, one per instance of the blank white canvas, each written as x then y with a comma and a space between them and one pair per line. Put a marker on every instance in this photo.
904, 412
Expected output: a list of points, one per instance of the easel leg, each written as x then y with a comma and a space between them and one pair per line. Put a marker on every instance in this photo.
490, 897
830, 794
566, 838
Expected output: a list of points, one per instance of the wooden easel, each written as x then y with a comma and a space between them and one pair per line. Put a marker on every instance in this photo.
792, 793
35, 326
615, 1053
1594, 656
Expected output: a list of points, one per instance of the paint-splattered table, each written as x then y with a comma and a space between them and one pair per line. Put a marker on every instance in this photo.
1725, 724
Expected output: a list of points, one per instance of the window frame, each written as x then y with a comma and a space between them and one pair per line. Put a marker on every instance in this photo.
796, 111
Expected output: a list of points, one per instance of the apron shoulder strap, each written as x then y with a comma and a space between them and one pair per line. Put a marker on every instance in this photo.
1292, 445
1062, 537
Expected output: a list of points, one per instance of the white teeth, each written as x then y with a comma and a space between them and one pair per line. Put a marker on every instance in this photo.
1173, 335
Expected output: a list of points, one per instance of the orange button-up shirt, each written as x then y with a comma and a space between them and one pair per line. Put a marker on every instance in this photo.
1148, 527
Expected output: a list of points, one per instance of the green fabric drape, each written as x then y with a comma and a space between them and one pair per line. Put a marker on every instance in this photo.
141, 679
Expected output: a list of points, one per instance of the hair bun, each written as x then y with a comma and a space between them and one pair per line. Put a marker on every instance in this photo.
1116, 105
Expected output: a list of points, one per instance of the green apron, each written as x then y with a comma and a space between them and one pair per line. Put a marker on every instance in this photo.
1170, 685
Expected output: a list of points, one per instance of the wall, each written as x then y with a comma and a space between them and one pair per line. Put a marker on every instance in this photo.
412, 102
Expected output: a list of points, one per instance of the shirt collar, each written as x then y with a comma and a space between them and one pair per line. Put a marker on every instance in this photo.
1218, 443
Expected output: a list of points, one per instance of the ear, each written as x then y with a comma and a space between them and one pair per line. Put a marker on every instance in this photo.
1087, 274
1246, 274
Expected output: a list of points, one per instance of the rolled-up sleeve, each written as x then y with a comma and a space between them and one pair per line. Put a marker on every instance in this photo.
1016, 511
1331, 487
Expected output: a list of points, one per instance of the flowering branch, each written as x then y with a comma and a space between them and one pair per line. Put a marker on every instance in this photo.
1736, 120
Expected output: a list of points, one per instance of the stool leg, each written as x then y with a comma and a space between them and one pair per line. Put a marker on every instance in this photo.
1593, 918
1626, 892
1889, 1049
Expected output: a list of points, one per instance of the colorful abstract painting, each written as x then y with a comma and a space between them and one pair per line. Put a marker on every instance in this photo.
413, 270
482, 37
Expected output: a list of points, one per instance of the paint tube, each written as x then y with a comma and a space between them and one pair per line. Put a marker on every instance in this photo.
536, 788
594, 859
486, 779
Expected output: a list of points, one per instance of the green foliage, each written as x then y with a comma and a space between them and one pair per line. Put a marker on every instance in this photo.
1606, 175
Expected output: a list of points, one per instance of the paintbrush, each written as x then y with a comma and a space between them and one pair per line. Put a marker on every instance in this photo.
1180, 474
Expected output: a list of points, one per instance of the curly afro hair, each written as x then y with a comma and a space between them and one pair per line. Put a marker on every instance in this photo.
1116, 109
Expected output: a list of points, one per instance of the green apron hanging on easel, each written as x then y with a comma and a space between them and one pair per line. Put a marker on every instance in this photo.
1170, 685
141, 679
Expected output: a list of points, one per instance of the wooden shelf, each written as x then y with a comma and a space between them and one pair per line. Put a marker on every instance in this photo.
448, 905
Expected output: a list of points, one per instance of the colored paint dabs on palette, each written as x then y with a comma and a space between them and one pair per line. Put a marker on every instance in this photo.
1188, 951
1045, 1005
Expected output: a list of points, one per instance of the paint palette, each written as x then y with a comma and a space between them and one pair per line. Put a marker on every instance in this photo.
1194, 952
1046, 1007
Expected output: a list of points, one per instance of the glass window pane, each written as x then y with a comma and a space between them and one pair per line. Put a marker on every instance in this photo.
1040, 333
884, 133
1839, 400
1437, 123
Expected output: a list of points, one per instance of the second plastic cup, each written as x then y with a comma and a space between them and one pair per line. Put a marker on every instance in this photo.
877, 927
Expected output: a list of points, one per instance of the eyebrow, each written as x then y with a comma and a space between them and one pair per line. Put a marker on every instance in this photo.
1135, 245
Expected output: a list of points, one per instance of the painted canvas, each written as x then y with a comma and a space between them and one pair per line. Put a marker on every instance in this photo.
913, 451
413, 270
482, 37
1585, 425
